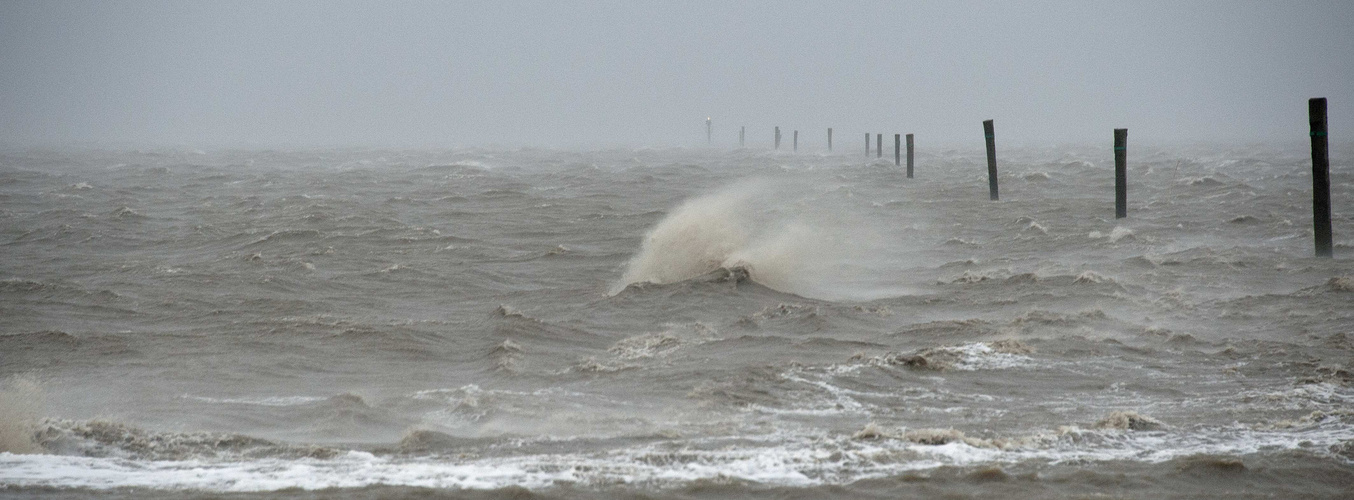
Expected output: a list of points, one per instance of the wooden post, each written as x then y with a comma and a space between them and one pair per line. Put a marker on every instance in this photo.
741, 131
878, 145
829, 139
796, 140
991, 159
777, 137
867, 144
909, 156
709, 138
1120, 173
1316, 115
897, 150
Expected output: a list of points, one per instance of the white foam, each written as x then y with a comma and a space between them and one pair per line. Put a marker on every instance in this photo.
980, 356
268, 401
1120, 233
795, 457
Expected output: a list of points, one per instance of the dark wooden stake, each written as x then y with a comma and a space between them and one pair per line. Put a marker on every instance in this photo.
1120, 173
867, 144
909, 156
897, 150
741, 131
878, 145
777, 137
1316, 114
709, 137
829, 139
991, 159
796, 140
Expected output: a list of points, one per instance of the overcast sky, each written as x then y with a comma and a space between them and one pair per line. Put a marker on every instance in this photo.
593, 74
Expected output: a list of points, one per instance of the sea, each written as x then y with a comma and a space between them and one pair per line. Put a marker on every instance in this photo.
673, 323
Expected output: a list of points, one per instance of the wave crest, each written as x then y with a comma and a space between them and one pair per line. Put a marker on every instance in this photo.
788, 242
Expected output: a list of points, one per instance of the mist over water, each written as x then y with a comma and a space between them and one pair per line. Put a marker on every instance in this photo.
671, 323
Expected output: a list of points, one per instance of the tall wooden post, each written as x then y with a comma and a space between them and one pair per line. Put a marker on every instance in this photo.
709, 137
829, 139
1120, 173
991, 159
867, 144
796, 140
879, 145
897, 150
909, 156
741, 131
777, 137
1316, 115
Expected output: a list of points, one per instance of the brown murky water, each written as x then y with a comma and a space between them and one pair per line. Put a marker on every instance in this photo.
672, 324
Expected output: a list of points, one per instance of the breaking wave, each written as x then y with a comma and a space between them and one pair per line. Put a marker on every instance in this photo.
782, 239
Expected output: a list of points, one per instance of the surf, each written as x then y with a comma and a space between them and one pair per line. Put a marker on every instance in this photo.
791, 238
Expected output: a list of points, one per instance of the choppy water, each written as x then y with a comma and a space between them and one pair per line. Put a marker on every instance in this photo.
672, 323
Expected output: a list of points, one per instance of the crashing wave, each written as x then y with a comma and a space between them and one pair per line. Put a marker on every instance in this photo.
748, 232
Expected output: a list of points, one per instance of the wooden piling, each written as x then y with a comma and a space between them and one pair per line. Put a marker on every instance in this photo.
878, 145
991, 159
796, 140
909, 156
709, 137
777, 137
829, 139
1120, 173
897, 150
867, 144
741, 135
1321, 225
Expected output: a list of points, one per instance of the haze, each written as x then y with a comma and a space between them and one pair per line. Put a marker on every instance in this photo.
598, 74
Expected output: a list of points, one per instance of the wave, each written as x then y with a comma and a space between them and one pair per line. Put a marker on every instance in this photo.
780, 237
833, 468
338, 417
698, 237
1341, 284
126, 213
995, 355
105, 438
635, 352
1105, 431
783, 457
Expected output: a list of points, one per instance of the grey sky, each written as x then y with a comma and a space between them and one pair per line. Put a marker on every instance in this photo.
206, 74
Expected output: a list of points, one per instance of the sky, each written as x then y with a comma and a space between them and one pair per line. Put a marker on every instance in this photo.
615, 74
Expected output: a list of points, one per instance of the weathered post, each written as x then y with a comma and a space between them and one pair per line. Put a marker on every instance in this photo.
777, 137
909, 156
829, 139
741, 131
991, 159
867, 144
897, 150
1316, 114
878, 145
796, 140
709, 138
1120, 173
